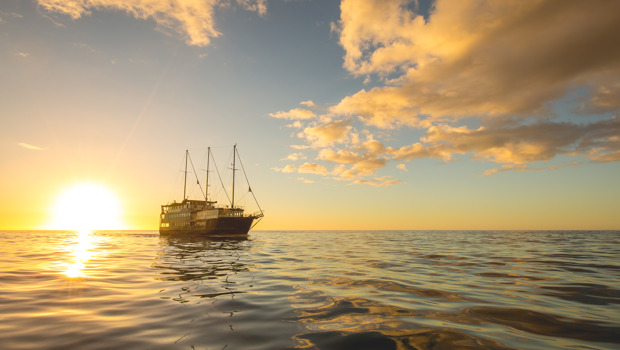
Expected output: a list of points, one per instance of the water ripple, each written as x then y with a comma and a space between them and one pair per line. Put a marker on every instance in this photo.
312, 290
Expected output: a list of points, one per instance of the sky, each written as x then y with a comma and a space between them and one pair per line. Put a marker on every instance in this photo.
383, 114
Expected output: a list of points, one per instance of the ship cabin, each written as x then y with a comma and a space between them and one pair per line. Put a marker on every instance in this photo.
193, 214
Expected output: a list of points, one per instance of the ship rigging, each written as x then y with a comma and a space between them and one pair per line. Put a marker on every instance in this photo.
205, 217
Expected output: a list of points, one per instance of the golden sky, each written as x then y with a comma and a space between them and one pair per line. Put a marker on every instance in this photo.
386, 114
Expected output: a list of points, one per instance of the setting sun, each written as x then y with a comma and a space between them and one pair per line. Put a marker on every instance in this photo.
86, 207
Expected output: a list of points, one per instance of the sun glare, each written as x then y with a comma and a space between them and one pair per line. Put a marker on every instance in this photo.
85, 207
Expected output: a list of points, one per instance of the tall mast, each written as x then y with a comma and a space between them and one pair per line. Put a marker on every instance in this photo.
185, 178
207, 184
232, 205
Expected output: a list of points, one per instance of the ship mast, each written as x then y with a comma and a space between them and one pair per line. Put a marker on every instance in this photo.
207, 183
232, 205
185, 178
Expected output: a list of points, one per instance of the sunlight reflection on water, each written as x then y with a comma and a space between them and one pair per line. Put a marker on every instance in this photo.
82, 252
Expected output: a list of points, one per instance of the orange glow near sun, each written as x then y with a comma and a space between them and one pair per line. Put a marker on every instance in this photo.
85, 207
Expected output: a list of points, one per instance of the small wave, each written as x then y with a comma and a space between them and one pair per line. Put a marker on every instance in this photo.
396, 339
548, 324
593, 294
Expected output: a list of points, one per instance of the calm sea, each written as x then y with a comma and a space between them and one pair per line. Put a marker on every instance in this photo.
311, 290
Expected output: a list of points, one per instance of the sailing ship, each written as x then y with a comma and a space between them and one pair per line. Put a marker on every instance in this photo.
205, 217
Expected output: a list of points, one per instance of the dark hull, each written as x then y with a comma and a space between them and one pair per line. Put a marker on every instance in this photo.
213, 227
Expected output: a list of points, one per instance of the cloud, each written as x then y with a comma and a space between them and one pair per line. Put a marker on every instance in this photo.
402, 167
603, 99
300, 147
418, 151
478, 58
325, 134
294, 114
524, 167
377, 182
312, 168
258, 6
287, 169
11, 14
341, 156
541, 141
308, 103
513, 146
362, 164
385, 108
555, 167
605, 154
510, 167
30, 147
306, 168
295, 156
477, 78
193, 19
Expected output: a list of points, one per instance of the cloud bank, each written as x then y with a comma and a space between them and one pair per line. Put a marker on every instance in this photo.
509, 82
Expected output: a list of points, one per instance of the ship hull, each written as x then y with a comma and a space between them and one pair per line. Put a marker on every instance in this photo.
213, 227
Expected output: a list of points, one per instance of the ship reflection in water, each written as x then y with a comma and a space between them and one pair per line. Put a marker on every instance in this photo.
216, 280
202, 259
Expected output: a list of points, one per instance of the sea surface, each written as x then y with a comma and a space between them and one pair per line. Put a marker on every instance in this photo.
311, 290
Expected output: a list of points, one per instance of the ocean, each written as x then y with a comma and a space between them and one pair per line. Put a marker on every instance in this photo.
311, 290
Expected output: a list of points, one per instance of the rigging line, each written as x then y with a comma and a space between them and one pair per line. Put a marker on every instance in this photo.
171, 194
220, 177
241, 200
196, 175
248, 182
255, 223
